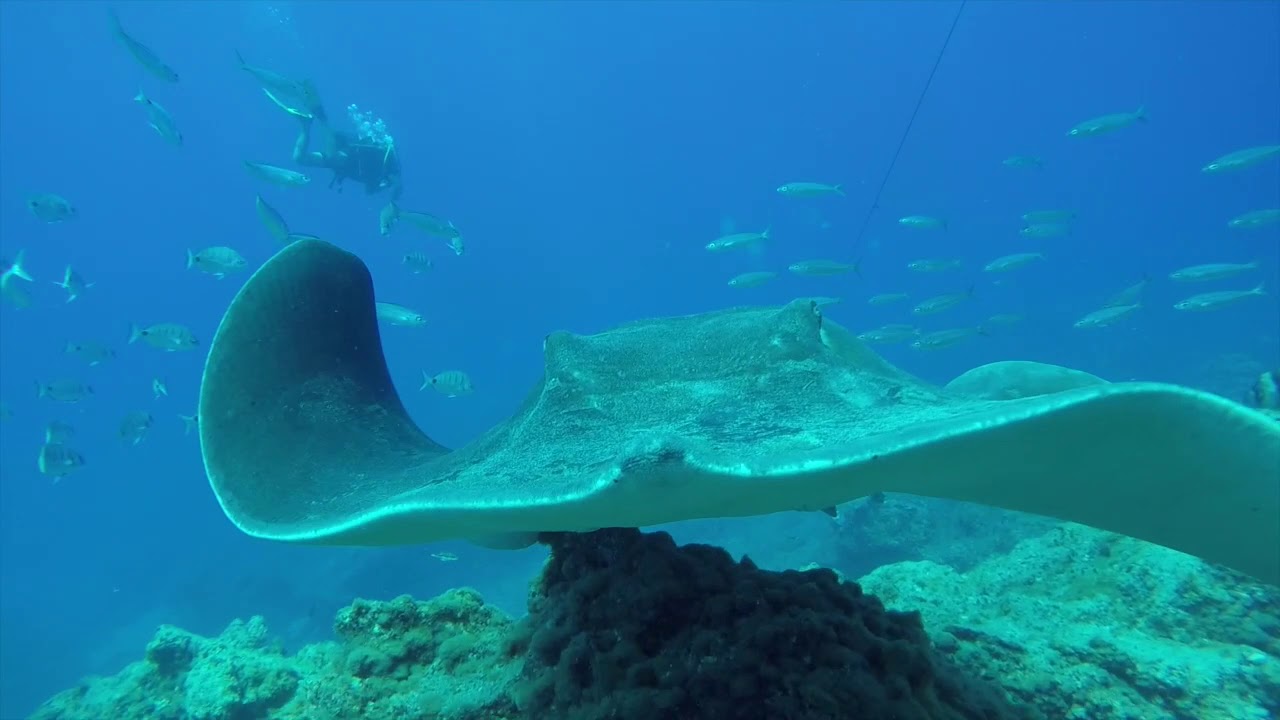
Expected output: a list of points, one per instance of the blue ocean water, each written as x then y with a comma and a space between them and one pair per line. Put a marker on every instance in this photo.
588, 152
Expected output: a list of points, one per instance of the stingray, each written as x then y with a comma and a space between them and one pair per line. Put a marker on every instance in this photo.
739, 412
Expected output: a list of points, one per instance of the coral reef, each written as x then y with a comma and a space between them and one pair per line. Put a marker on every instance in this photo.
401, 659
1090, 625
621, 625
625, 625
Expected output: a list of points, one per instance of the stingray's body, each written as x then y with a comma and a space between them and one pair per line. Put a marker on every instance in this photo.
733, 413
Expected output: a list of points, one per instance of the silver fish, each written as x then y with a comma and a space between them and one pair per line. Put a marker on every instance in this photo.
430, 224
923, 222
889, 334
1213, 271
945, 338
1012, 262
159, 119
73, 284
939, 303
67, 391
58, 461
1048, 217
887, 298
809, 189
387, 218
1045, 230
1131, 295
417, 262
1107, 316
134, 427
93, 353
51, 208
189, 423
1108, 123
1216, 300
1254, 219
738, 240
218, 261
143, 54
272, 220
58, 432
170, 337
933, 265
1242, 158
450, 383
276, 175
400, 315
752, 279
823, 267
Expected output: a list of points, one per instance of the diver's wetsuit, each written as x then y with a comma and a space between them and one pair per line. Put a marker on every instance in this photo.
375, 166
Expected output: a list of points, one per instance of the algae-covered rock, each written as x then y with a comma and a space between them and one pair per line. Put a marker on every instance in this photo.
1089, 625
626, 626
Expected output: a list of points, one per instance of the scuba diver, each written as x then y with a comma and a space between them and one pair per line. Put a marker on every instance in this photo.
368, 159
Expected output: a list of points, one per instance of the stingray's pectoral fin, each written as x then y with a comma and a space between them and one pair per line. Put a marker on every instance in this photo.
299, 422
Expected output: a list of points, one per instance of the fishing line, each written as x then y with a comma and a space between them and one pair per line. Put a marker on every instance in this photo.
875, 204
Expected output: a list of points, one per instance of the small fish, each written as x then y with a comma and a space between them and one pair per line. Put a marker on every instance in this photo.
400, 315
218, 261
933, 265
296, 97
429, 224
51, 208
1216, 300
889, 334
809, 189
1131, 295
1023, 161
444, 556
1254, 219
450, 383
417, 262
946, 338
272, 220
387, 218
821, 302
752, 279
170, 337
159, 119
57, 460
923, 222
738, 240
939, 303
1012, 262
1265, 392
73, 284
1242, 158
57, 432
456, 245
1108, 123
1048, 217
159, 388
277, 175
823, 267
887, 299
134, 427
1107, 316
93, 353
189, 423
1213, 271
1045, 230
143, 54
67, 391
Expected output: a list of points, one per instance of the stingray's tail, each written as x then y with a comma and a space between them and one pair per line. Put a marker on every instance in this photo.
298, 413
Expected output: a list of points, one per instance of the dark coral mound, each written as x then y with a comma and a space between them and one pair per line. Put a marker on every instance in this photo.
626, 625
